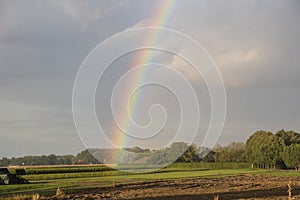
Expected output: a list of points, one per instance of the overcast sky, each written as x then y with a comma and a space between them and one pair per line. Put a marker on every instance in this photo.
255, 44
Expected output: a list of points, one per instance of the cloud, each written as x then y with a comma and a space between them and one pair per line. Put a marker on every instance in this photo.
238, 58
42, 47
78, 9
249, 41
256, 47
255, 44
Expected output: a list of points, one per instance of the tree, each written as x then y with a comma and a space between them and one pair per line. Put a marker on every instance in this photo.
217, 148
234, 152
253, 147
288, 138
64, 160
137, 150
177, 152
86, 158
52, 159
291, 156
190, 155
158, 157
4, 162
270, 149
263, 149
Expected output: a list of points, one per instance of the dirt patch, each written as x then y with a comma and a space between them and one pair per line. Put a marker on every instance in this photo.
231, 187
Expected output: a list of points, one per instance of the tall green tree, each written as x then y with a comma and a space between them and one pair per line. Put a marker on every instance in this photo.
254, 147
291, 156
269, 150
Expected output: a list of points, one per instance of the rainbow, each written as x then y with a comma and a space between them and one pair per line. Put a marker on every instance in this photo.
162, 13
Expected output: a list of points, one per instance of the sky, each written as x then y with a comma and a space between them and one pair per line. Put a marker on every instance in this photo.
254, 44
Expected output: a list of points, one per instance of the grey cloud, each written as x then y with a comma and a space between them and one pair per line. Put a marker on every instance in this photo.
225, 28
41, 51
42, 44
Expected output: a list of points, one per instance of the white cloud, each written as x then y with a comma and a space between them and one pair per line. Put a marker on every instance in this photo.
240, 68
185, 69
238, 58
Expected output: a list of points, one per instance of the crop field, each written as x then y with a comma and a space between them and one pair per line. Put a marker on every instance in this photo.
183, 181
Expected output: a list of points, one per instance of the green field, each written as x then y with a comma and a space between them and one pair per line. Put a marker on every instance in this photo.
71, 179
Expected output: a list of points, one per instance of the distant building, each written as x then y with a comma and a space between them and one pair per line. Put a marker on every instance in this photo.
207, 155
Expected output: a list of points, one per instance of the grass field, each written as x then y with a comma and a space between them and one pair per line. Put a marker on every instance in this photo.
70, 179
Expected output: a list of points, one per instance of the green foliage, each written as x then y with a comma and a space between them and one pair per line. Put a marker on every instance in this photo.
52, 159
208, 166
234, 152
269, 150
263, 149
137, 150
288, 137
291, 155
85, 157
50, 182
177, 152
253, 146
190, 155
67, 169
38, 160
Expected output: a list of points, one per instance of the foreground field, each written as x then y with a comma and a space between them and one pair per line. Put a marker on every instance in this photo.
229, 187
183, 181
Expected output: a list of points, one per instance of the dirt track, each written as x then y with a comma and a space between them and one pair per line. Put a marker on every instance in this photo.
232, 187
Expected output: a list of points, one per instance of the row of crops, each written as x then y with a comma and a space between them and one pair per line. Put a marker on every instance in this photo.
46, 179
73, 171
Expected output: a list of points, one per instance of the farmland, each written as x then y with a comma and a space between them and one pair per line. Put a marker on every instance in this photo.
187, 179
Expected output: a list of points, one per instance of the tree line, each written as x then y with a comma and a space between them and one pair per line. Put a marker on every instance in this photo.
83, 157
263, 149
280, 150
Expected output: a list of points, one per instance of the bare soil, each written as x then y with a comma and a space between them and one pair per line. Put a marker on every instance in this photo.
254, 187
